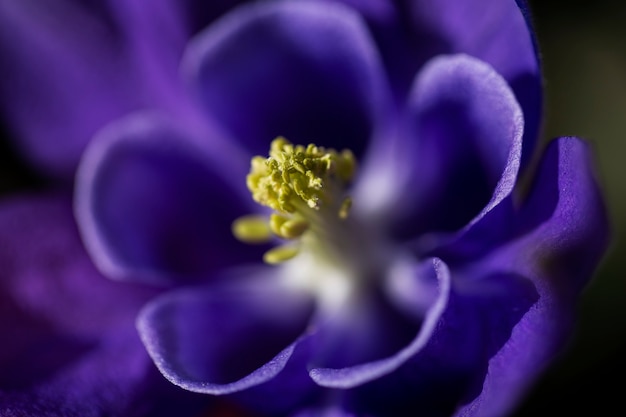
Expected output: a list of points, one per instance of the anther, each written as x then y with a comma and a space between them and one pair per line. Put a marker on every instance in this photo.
252, 229
280, 254
296, 182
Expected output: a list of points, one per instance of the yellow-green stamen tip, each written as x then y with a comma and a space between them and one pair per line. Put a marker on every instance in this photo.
287, 228
280, 254
252, 229
344, 209
297, 175
306, 188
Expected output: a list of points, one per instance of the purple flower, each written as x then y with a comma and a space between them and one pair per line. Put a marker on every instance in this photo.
424, 281
69, 342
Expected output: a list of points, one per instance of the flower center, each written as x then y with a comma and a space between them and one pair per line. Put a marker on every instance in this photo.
307, 189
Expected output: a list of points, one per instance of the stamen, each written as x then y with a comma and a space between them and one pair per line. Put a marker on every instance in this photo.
345, 207
306, 187
287, 228
276, 221
293, 229
252, 229
280, 254
336, 256
293, 175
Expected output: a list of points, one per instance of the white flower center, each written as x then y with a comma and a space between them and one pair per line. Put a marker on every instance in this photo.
328, 254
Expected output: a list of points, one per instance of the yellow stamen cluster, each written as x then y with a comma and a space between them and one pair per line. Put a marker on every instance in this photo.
294, 174
297, 182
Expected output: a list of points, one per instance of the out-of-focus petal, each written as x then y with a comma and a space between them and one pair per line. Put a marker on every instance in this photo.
448, 371
228, 339
316, 79
323, 412
201, 13
498, 32
68, 67
69, 341
461, 151
343, 357
154, 203
566, 181
559, 238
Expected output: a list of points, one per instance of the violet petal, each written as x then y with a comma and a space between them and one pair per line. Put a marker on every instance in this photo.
225, 340
561, 236
156, 203
59, 88
449, 370
461, 153
69, 342
298, 49
347, 340
323, 412
497, 32
201, 13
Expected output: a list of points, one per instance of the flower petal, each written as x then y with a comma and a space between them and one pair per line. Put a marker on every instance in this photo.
498, 33
478, 320
495, 31
302, 70
347, 340
323, 412
201, 13
156, 203
224, 340
461, 153
69, 342
68, 68
557, 241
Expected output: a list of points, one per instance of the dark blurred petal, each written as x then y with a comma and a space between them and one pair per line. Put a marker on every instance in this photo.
560, 237
225, 340
496, 32
461, 154
323, 412
374, 338
317, 76
69, 346
201, 13
564, 200
448, 371
409, 33
69, 67
155, 202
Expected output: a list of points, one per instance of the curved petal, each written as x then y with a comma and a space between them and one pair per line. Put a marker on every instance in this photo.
224, 340
344, 336
566, 177
461, 153
498, 32
155, 204
69, 343
302, 70
559, 238
478, 320
68, 68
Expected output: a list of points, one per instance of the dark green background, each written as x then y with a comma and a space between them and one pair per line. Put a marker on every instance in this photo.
583, 47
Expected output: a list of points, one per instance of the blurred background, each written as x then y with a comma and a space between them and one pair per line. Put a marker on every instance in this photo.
583, 47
